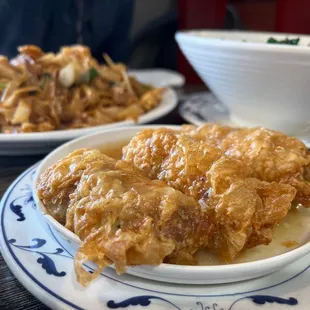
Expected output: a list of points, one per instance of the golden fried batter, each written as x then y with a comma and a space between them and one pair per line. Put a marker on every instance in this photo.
271, 155
244, 210
60, 180
211, 133
236, 203
174, 158
121, 216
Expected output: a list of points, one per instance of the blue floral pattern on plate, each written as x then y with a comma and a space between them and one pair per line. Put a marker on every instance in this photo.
44, 260
27, 199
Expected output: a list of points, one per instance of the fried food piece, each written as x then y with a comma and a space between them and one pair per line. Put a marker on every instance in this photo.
60, 180
174, 158
122, 217
244, 210
150, 99
271, 155
213, 134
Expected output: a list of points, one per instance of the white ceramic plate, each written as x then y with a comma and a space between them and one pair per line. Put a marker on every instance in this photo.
43, 263
164, 272
159, 77
204, 107
44, 142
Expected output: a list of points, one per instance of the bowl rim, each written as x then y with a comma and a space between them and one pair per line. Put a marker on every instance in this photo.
273, 261
191, 35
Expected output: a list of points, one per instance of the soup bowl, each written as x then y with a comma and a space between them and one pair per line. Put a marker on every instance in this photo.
261, 84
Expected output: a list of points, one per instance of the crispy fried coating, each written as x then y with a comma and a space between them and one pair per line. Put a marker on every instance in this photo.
60, 180
243, 209
211, 133
271, 155
174, 158
122, 217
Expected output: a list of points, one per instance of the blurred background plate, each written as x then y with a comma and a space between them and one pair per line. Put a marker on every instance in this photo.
204, 107
44, 142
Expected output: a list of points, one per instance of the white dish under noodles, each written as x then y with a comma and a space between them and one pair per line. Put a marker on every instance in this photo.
159, 77
204, 107
165, 272
44, 142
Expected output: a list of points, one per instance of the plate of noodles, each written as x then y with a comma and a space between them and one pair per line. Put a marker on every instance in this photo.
48, 98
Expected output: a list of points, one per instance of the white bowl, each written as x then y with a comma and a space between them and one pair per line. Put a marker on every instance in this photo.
262, 84
163, 272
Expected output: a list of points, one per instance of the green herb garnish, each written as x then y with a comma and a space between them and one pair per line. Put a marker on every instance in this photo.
287, 41
87, 76
92, 74
146, 87
3, 86
45, 77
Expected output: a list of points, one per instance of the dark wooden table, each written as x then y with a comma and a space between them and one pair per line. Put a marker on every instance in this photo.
12, 294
